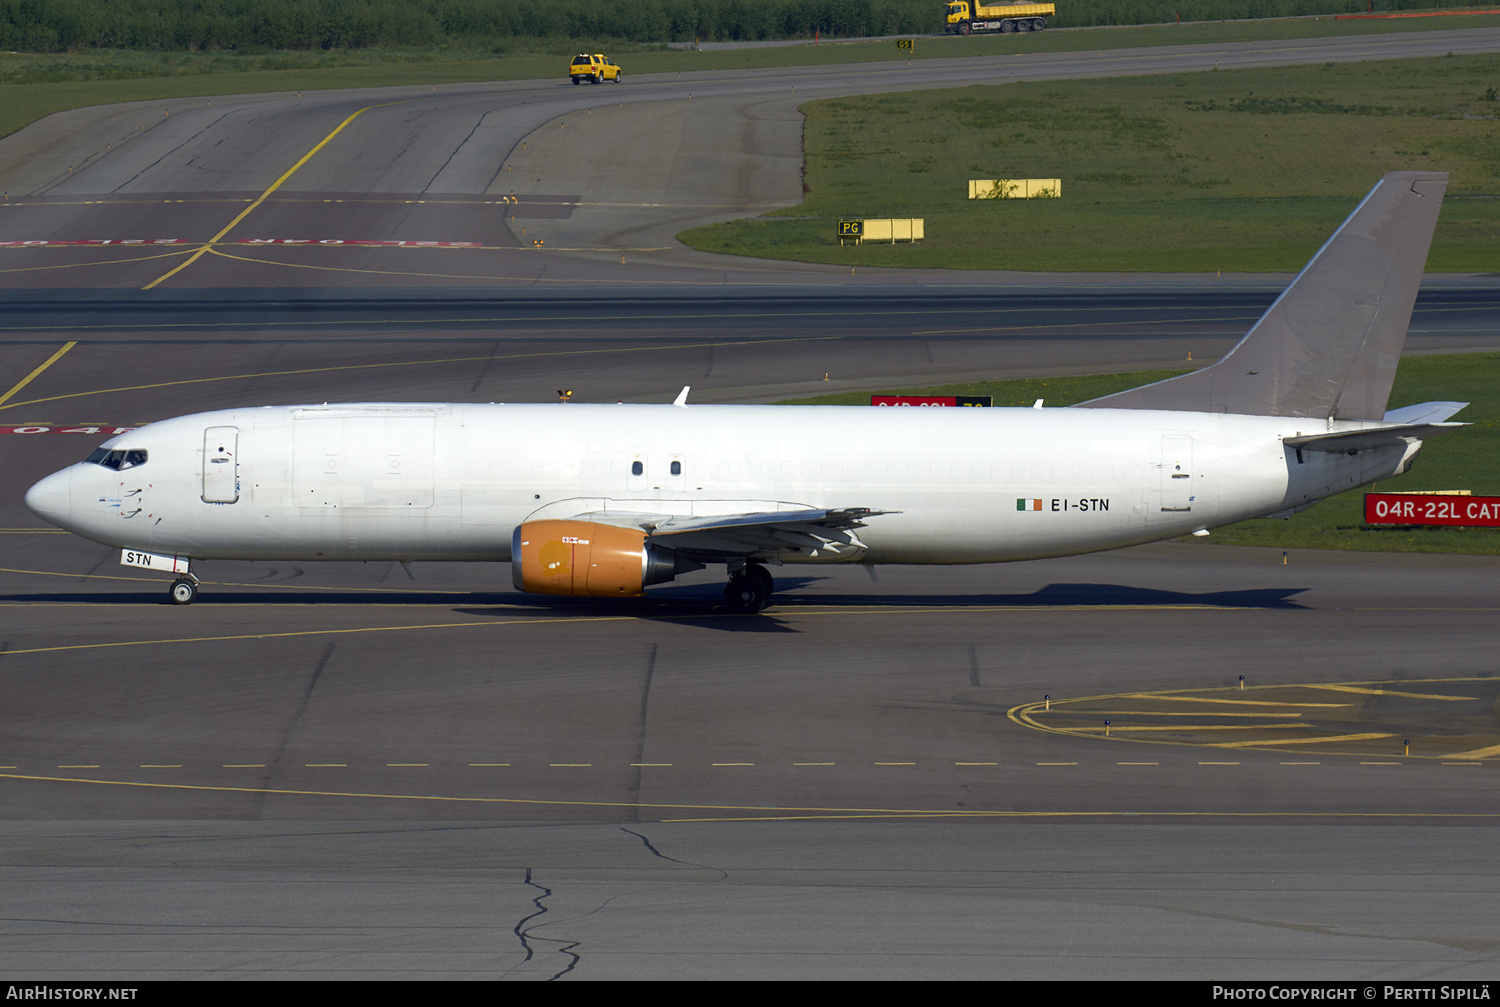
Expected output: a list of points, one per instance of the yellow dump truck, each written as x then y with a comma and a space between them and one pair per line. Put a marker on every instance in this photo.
966, 16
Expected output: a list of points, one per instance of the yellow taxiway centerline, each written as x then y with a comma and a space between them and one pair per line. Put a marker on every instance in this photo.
261, 199
34, 374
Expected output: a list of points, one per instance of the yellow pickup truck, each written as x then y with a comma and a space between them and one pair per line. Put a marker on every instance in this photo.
594, 67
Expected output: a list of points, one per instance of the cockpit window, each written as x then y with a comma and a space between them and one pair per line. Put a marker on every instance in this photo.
118, 459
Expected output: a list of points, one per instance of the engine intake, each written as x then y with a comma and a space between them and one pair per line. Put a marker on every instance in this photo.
583, 558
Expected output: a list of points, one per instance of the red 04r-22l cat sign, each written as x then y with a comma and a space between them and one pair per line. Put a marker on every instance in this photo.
1432, 508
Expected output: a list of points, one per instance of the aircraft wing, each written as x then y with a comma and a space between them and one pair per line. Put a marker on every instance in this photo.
813, 533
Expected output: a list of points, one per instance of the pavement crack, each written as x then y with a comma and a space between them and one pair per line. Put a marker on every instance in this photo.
723, 874
484, 372
640, 742
275, 761
1475, 945
478, 125
524, 935
647, 843
94, 570
200, 132
312, 683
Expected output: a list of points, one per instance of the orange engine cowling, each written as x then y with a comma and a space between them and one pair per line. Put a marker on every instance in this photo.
583, 558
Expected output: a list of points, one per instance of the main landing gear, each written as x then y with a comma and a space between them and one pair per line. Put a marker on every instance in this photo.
749, 589
183, 590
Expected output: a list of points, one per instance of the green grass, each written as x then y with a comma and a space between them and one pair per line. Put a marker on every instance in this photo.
1243, 170
35, 85
1464, 459
1061, 391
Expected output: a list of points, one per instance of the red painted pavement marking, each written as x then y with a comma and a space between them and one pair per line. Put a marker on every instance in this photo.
357, 241
39, 429
245, 241
98, 241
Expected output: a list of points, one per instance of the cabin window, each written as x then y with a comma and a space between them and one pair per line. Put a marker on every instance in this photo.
677, 468
636, 468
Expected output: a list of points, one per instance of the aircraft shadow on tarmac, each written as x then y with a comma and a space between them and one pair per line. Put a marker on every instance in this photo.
693, 604
695, 601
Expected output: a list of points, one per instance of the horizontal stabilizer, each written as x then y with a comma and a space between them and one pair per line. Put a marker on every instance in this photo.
1371, 437
1424, 412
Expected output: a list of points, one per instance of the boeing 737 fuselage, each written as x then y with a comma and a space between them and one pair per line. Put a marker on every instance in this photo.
605, 500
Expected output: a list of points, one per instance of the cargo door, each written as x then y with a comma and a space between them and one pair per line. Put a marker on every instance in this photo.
372, 457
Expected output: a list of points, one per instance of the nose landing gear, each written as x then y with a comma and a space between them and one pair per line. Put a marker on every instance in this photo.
183, 590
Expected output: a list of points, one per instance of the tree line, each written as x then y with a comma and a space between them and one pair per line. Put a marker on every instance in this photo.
197, 25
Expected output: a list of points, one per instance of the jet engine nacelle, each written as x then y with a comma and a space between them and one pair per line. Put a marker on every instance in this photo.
583, 558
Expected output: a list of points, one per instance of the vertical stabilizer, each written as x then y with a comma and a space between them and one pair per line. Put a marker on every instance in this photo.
1329, 345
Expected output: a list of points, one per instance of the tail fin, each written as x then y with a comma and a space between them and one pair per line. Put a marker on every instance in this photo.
1329, 345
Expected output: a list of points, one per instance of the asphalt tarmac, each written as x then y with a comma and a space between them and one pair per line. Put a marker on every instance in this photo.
326, 770
454, 185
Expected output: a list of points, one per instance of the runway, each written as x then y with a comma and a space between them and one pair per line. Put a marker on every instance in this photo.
325, 770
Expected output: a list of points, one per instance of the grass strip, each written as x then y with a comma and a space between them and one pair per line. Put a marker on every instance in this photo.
1237, 170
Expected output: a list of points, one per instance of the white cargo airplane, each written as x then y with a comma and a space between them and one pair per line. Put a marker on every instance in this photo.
606, 500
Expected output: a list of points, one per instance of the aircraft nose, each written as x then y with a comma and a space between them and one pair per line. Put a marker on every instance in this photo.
51, 499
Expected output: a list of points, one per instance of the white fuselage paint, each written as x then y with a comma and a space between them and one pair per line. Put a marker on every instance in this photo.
451, 481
